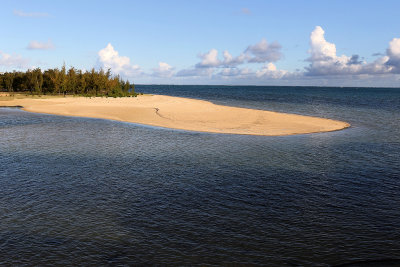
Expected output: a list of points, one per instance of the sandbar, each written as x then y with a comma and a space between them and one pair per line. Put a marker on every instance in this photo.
177, 113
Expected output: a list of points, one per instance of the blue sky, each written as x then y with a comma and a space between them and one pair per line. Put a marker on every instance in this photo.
338, 43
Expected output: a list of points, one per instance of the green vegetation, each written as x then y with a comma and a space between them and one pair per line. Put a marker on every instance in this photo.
63, 82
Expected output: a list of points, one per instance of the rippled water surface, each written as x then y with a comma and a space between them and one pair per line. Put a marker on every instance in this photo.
78, 191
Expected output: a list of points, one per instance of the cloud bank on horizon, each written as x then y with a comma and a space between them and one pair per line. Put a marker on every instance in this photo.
323, 62
255, 64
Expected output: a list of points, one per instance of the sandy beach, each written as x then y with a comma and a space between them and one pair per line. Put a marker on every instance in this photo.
177, 113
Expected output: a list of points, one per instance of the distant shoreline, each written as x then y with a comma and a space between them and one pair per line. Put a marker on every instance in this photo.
177, 113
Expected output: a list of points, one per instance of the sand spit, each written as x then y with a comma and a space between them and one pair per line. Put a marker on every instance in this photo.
177, 113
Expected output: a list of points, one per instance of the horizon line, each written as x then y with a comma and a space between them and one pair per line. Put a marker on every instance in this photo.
250, 85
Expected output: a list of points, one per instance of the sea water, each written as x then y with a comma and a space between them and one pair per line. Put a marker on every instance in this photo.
80, 191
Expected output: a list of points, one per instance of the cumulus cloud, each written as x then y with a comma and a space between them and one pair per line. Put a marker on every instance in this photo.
227, 66
35, 45
324, 60
8, 60
324, 63
320, 49
163, 70
264, 52
261, 52
230, 61
393, 52
270, 71
109, 58
227, 57
209, 59
379, 66
20, 13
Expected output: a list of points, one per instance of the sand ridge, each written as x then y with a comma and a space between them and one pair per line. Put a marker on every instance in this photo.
178, 113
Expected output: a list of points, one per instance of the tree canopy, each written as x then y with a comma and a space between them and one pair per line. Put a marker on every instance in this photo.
63, 81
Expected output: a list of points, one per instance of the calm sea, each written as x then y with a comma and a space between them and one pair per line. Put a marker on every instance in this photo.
79, 191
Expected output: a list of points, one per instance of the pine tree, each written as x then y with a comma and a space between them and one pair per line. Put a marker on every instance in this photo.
63, 80
56, 81
8, 81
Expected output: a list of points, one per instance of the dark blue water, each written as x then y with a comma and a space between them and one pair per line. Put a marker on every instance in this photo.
77, 191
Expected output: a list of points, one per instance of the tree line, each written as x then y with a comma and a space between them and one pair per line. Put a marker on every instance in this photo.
63, 82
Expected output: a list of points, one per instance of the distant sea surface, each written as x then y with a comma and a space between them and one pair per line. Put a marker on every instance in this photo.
80, 191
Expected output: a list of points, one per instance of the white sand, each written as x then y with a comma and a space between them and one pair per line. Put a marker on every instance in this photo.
178, 113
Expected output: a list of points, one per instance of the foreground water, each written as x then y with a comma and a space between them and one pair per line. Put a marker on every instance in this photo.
77, 191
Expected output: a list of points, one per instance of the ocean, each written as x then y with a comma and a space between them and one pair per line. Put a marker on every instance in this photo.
80, 191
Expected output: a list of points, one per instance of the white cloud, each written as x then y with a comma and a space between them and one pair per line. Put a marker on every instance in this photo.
324, 60
394, 47
212, 66
35, 45
20, 13
379, 66
227, 57
8, 60
163, 70
110, 59
325, 65
259, 53
264, 52
320, 49
270, 71
209, 59
393, 52
230, 61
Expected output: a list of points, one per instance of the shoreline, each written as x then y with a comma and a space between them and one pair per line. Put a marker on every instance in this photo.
177, 113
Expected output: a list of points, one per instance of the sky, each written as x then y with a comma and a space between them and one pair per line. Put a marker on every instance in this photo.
249, 42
